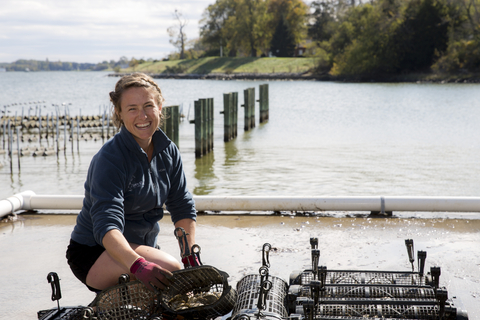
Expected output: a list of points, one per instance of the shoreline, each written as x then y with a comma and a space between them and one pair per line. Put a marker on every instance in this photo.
420, 78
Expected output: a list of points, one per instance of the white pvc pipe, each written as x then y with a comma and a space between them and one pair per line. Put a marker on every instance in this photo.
452, 204
13, 203
28, 200
52, 202
240, 203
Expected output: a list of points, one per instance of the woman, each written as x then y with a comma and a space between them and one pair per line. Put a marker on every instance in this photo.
129, 180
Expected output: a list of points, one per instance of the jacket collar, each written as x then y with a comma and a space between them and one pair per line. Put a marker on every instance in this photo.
159, 138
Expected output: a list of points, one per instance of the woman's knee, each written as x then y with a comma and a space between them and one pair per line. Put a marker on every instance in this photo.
159, 257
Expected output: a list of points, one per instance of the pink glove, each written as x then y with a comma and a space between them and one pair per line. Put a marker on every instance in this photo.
192, 260
150, 274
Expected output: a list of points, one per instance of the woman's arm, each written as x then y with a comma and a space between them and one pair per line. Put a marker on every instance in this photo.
149, 273
189, 226
119, 248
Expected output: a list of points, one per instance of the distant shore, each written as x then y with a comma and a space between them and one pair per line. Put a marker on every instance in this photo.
306, 76
230, 76
278, 69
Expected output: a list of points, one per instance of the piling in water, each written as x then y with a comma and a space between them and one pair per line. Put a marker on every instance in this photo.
203, 127
249, 108
263, 103
170, 124
230, 115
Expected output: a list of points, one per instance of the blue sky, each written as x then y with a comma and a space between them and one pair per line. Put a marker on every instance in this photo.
92, 30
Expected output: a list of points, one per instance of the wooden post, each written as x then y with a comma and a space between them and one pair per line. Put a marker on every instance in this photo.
227, 117
171, 123
263, 103
198, 129
175, 124
203, 127
210, 124
235, 113
203, 104
249, 108
230, 115
166, 124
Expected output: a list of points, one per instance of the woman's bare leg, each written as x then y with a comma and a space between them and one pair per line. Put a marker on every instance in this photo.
106, 271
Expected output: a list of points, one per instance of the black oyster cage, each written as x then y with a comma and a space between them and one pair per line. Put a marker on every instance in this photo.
313, 294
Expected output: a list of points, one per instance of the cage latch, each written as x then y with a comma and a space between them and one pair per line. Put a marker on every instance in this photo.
54, 281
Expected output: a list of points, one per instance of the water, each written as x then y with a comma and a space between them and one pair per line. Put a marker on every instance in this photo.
323, 138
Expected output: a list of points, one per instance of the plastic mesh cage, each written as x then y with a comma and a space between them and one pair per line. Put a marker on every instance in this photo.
368, 292
248, 289
199, 293
130, 300
366, 277
376, 311
68, 313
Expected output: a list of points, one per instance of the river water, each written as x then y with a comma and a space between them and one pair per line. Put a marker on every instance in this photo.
322, 138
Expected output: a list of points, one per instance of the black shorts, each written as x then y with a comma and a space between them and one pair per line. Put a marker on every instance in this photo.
81, 258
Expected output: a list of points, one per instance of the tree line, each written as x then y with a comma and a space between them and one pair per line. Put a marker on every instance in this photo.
46, 65
254, 27
349, 37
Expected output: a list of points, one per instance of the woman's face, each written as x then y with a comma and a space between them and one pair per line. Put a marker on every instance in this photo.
140, 113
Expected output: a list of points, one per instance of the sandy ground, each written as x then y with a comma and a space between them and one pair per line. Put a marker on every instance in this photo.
35, 245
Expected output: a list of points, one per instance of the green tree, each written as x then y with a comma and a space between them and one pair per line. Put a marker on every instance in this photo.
249, 27
213, 25
294, 14
423, 34
362, 45
463, 51
242, 26
283, 44
389, 37
321, 20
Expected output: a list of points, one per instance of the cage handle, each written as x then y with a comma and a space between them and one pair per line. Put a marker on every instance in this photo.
54, 281
265, 287
409, 245
182, 241
265, 252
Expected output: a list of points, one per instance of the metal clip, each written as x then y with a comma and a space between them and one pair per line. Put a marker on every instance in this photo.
409, 245
182, 241
54, 281
265, 251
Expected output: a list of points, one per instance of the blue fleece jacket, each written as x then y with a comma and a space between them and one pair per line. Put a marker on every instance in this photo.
126, 192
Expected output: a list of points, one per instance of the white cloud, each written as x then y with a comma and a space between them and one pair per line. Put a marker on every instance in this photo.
91, 31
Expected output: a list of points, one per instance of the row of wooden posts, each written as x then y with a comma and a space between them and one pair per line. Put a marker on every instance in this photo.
204, 119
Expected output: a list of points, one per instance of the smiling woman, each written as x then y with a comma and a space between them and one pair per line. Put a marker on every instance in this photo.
137, 102
128, 182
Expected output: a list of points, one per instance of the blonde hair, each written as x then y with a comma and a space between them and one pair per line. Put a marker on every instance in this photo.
134, 80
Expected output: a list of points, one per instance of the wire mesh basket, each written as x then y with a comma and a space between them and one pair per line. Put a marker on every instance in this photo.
68, 313
377, 311
366, 277
127, 300
366, 292
248, 289
199, 293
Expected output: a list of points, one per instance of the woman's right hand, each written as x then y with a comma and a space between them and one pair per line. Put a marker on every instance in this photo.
151, 274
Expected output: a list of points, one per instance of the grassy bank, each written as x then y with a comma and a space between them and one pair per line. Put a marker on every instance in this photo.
228, 65
283, 67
